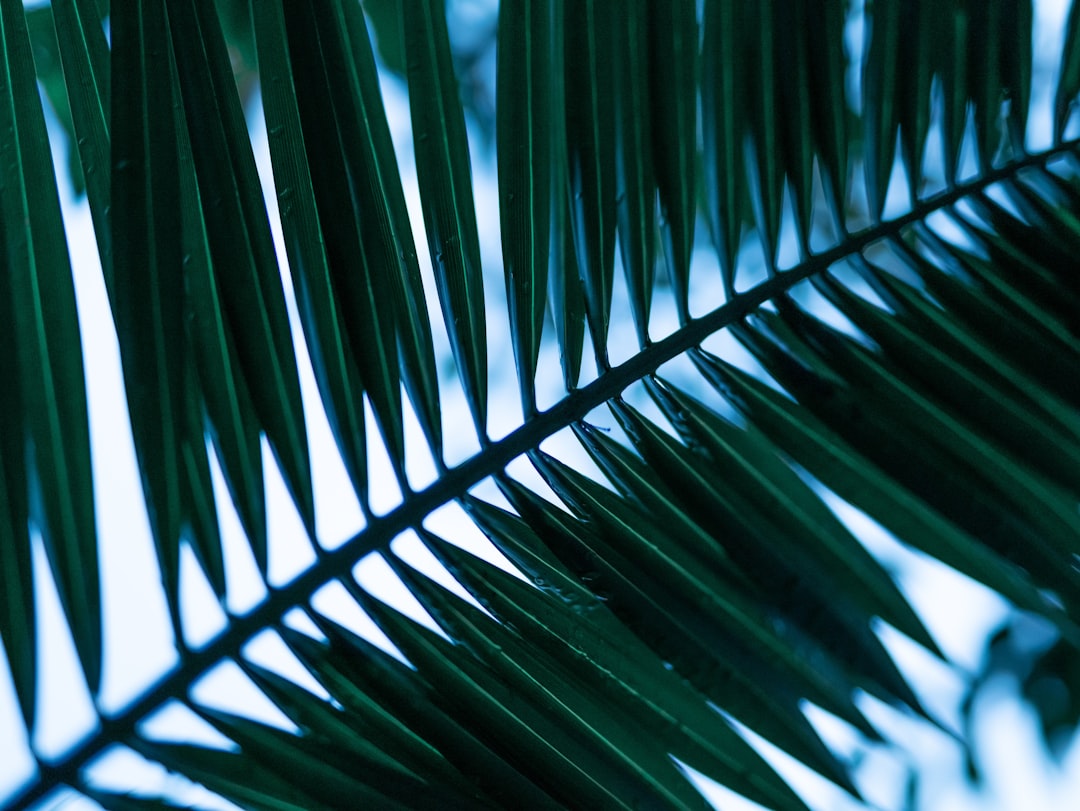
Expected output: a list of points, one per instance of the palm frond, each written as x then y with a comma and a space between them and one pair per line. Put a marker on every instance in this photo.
920, 366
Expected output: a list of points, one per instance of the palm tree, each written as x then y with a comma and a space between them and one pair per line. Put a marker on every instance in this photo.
921, 366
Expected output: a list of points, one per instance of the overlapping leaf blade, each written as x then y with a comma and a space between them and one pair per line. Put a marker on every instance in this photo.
578, 705
589, 97
752, 463
239, 239
335, 370
215, 373
999, 412
880, 114
232, 775
635, 180
49, 446
673, 67
329, 775
938, 471
443, 171
794, 73
763, 148
83, 50
512, 722
413, 327
903, 402
826, 65
147, 273
397, 702
361, 258
559, 616
854, 477
18, 622
999, 70
524, 132
84, 53
723, 118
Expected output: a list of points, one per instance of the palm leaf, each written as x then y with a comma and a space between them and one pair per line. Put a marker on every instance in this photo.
624, 622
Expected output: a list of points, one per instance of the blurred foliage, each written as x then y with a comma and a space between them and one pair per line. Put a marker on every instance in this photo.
472, 54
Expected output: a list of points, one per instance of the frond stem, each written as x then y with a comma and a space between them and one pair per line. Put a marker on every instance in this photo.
492, 459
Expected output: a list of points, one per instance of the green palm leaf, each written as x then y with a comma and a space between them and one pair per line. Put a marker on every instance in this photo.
633, 612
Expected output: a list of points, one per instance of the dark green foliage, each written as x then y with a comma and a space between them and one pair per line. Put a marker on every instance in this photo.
922, 368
